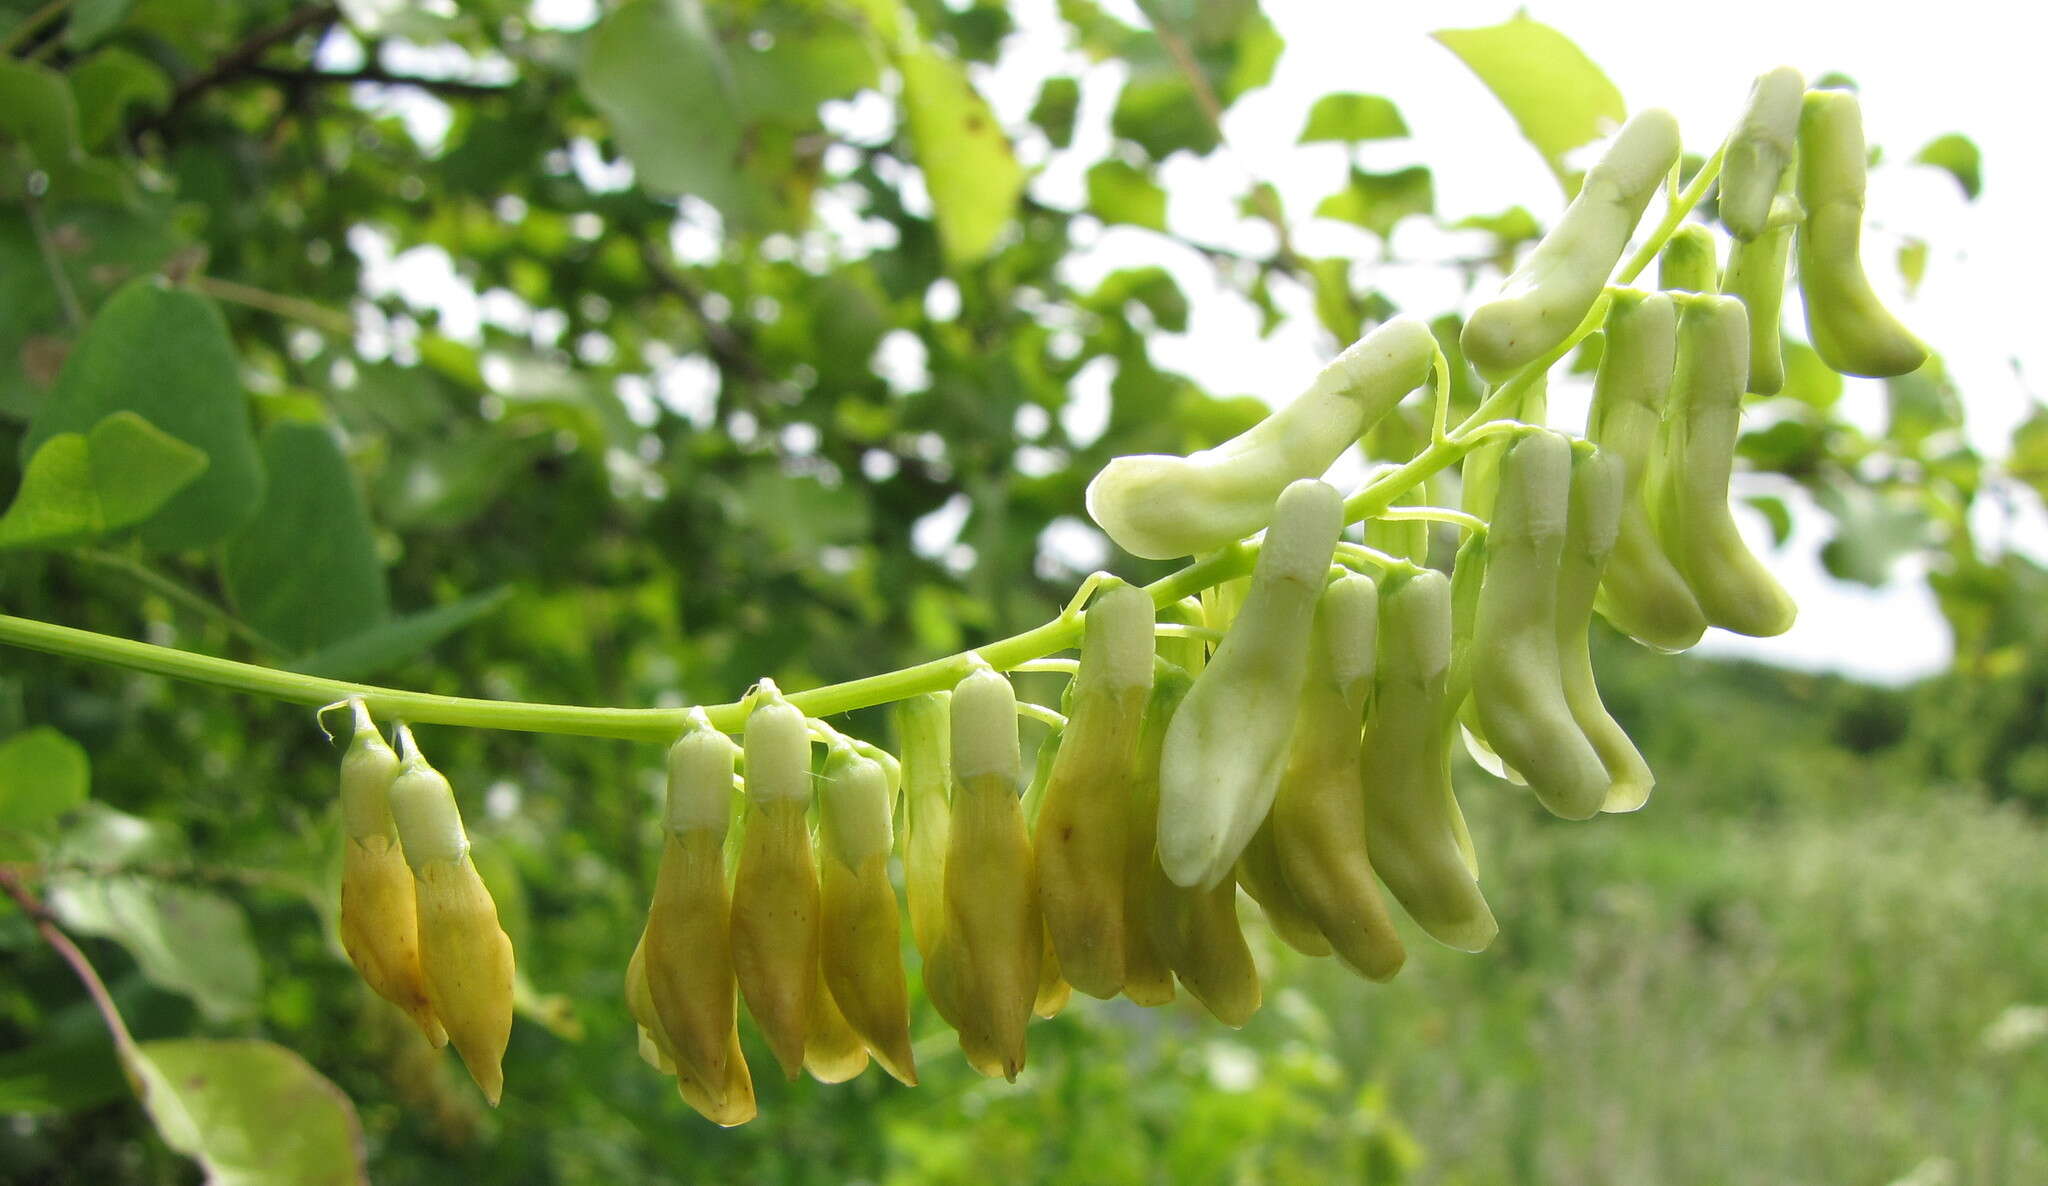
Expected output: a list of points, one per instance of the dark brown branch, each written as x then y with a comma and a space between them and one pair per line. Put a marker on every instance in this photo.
46, 926
728, 347
243, 58
376, 74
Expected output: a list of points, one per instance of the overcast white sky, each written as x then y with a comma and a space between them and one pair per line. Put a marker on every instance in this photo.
1966, 65
1975, 70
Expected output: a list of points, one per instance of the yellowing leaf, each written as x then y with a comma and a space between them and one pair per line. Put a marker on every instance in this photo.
251, 1113
968, 167
1555, 93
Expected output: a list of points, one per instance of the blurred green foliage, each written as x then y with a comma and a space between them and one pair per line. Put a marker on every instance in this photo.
630, 364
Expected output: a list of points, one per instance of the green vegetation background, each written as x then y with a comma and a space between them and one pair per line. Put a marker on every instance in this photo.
1808, 960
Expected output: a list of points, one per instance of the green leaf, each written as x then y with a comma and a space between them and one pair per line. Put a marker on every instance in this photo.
387, 644
79, 486
718, 116
60, 1075
1336, 307
192, 941
973, 178
2029, 460
1352, 118
1793, 445
100, 247
649, 61
1921, 404
1808, 379
1873, 529
1958, 155
408, 19
1377, 201
793, 516
1913, 263
1555, 93
100, 835
1151, 287
166, 356
43, 774
1119, 193
37, 112
92, 20
1777, 514
109, 84
251, 1113
1058, 101
1158, 111
1254, 46
304, 572
1511, 226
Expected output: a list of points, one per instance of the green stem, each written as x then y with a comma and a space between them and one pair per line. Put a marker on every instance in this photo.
1041, 714
1467, 521
291, 308
1361, 554
1379, 494
631, 724
1048, 667
60, 280
1372, 500
662, 724
1674, 214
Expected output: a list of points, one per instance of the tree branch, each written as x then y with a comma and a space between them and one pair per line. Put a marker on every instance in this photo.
375, 74
32, 25
1183, 56
46, 926
243, 58
729, 348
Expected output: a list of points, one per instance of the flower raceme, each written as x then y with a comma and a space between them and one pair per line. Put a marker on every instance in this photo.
1281, 720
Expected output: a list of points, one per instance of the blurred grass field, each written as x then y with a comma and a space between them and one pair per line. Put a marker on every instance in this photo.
1802, 963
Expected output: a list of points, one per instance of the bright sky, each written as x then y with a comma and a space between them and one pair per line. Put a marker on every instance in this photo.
1972, 68
1975, 70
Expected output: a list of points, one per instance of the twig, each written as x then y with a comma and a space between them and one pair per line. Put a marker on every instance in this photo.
1184, 61
32, 24
46, 926
729, 347
242, 59
67, 297
288, 307
375, 74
